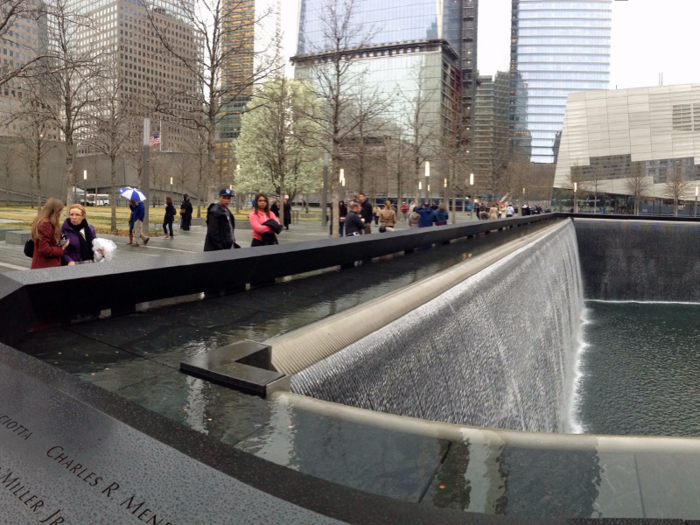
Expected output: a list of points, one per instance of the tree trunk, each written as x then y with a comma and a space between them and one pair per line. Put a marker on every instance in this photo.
113, 193
70, 170
37, 161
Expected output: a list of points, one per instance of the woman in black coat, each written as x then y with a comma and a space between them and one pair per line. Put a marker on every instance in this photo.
169, 217
287, 214
186, 212
275, 208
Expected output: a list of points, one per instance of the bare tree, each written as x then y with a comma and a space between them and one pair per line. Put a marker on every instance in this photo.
576, 183
12, 13
421, 129
638, 183
518, 175
676, 187
68, 78
110, 123
182, 172
223, 35
337, 72
8, 162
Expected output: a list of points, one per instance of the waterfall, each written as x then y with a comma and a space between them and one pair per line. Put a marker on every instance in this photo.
497, 350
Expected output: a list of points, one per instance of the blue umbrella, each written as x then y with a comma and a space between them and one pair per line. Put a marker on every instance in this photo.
132, 194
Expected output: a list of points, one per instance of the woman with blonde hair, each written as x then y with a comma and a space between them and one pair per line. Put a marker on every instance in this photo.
387, 216
80, 235
46, 234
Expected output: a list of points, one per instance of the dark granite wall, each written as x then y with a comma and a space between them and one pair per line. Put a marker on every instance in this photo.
629, 260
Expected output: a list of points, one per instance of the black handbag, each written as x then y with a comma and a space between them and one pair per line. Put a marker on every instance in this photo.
29, 248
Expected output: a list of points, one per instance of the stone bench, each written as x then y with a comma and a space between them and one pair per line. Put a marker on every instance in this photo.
17, 237
4, 231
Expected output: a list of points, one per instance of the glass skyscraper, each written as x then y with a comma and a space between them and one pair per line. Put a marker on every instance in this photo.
557, 47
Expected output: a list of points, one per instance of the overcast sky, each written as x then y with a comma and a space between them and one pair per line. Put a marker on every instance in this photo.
648, 37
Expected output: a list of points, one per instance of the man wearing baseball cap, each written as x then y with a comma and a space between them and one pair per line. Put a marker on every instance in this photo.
220, 224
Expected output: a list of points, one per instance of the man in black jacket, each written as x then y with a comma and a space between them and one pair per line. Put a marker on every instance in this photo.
220, 224
186, 213
353, 223
366, 213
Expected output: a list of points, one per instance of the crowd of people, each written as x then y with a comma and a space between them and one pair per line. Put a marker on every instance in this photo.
72, 242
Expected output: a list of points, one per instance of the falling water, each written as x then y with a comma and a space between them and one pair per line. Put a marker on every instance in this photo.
498, 350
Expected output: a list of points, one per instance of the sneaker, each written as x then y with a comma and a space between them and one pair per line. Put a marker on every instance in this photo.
145, 242
166, 237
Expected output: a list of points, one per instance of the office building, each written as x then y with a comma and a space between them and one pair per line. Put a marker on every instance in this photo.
470, 19
251, 41
557, 47
147, 72
414, 51
608, 134
490, 149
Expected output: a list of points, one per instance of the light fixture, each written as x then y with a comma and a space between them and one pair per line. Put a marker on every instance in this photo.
428, 187
471, 179
342, 176
427, 168
171, 180
575, 187
420, 185
445, 182
84, 174
696, 191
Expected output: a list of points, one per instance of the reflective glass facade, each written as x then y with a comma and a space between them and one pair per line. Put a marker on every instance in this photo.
557, 48
388, 21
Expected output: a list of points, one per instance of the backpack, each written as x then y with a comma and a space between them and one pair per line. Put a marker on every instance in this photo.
29, 248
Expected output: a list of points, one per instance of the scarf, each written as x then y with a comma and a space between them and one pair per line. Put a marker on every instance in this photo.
86, 253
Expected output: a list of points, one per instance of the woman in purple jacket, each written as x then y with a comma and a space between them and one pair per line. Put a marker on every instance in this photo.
80, 234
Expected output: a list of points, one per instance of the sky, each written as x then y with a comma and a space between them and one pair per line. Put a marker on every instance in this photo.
648, 37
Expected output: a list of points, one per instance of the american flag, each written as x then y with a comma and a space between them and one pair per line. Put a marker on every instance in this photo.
155, 139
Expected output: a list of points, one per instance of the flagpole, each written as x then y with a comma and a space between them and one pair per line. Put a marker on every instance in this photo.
160, 130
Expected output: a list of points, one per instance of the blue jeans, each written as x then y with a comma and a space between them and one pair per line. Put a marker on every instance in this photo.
169, 225
131, 228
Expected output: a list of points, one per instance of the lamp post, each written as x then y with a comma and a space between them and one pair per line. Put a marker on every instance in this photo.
85, 190
171, 186
427, 176
696, 202
575, 199
471, 188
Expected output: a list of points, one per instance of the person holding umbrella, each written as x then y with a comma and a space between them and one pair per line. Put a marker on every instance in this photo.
138, 212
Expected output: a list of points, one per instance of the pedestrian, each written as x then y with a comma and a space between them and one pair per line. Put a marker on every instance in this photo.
413, 219
441, 215
138, 212
185, 213
404, 210
427, 216
49, 247
387, 217
353, 222
220, 224
493, 211
366, 213
287, 214
342, 214
434, 206
375, 213
483, 212
80, 235
275, 207
169, 217
264, 223
510, 211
